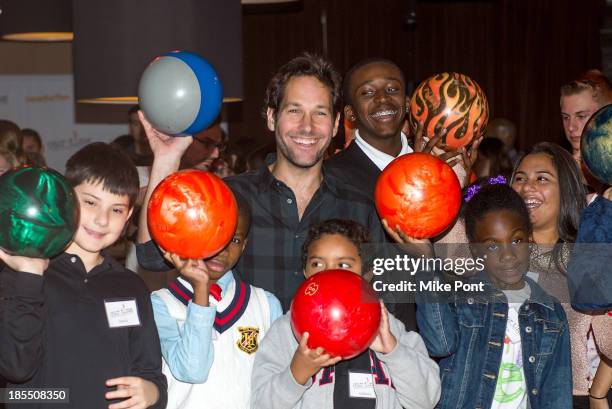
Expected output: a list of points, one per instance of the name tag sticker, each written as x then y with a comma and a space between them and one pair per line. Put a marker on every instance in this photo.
122, 313
361, 385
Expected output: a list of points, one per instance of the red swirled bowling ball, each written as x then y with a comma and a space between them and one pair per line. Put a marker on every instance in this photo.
339, 310
420, 193
193, 214
450, 101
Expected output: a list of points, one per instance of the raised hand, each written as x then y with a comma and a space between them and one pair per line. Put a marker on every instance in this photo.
163, 145
385, 341
426, 145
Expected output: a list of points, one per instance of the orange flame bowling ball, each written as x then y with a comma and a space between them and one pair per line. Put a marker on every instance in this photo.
419, 193
339, 311
452, 101
192, 213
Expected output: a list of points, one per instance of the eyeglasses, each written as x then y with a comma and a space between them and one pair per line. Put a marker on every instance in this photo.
210, 144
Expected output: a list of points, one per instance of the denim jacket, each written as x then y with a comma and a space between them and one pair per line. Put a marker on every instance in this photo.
468, 334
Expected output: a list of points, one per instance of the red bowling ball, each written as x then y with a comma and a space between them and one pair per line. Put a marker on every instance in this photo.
420, 193
339, 310
193, 214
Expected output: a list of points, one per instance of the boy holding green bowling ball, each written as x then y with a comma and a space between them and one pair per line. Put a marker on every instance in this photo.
99, 339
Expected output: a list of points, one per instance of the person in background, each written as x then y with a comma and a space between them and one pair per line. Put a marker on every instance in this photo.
205, 148
504, 130
33, 147
135, 143
492, 159
580, 99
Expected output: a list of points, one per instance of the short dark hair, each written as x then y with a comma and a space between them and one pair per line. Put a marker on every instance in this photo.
306, 64
32, 134
355, 232
572, 193
346, 85
102, 162
493, 198
244, 209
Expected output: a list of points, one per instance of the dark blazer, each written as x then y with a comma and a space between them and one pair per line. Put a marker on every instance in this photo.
353, 167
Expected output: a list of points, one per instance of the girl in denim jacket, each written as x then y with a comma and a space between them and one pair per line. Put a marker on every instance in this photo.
506, 347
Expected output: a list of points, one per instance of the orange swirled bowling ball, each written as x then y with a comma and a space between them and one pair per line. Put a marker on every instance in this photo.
452, 101
193, 214
420, 193
339, 311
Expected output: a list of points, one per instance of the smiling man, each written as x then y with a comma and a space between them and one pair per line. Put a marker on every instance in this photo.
375, 97
375, 100
290, 191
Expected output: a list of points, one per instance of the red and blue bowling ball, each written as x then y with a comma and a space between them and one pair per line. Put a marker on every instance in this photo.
192, 213
180, 93
339, 310
420, 193
596, 145
39, 212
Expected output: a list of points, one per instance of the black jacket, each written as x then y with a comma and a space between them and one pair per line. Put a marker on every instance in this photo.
80, 350
353, 167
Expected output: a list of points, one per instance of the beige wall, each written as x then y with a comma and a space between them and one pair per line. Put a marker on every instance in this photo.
54, 58
35, 58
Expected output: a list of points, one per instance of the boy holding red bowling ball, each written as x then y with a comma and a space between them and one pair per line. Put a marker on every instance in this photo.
395, 371
99, 339
210, 324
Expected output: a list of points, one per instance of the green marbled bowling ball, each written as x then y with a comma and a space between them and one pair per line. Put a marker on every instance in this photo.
596, 145
39, 212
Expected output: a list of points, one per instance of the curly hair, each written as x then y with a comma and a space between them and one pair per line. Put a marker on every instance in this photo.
355, 232
306, 64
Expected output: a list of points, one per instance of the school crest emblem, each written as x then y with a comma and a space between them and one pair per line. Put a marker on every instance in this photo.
248, 341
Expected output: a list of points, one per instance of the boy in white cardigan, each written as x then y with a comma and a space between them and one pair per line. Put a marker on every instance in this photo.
210, 324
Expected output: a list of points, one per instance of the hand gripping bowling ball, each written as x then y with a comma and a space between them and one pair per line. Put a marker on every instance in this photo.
339, 310
180, 93
596, 145
193, 214
453, 102
39, 212
420, 193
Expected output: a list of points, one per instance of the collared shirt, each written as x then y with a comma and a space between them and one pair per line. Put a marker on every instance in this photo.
189, 352
272, 257
80, 349
380, 158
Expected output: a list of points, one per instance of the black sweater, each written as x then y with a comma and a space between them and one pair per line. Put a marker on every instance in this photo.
21, 323
80, 350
